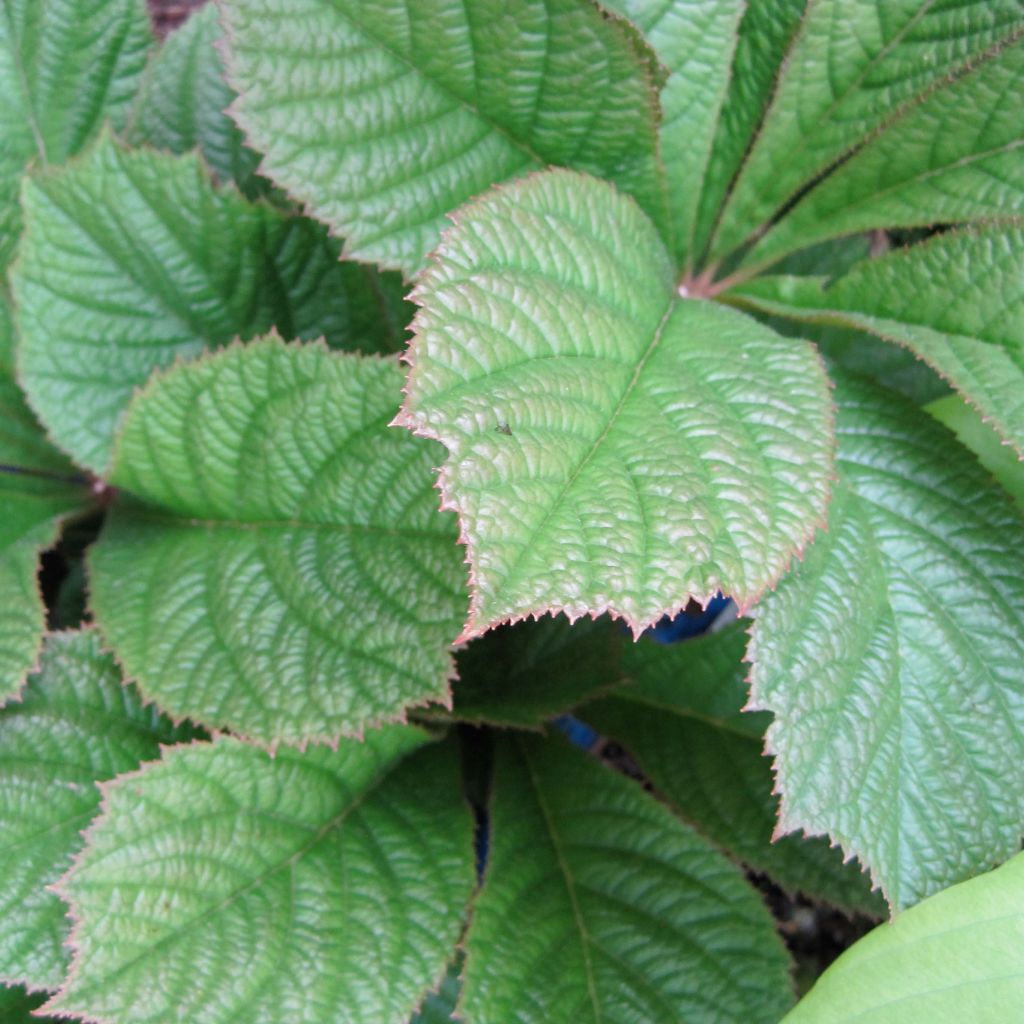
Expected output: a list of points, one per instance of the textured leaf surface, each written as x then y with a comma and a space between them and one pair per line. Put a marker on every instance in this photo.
384, 117
681, 720
954, 958
891, 658
522, 675
319, 888
611, 446
439, 1006
75, 725
642, 920
956, 157
285, 571
183, 101
133, 259
16, 1006
694, 40
65, 67
956, 300
854, 65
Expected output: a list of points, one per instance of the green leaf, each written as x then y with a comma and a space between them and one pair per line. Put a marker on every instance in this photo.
955, 300
681, 721
383, 118
993, 453
522, 675
695, 40
956, 957
17, 1006
313, 887
854, 66
65, 67
955, 157
76, 724
283, 571
439, 1006
183, 99
599, 905
891, 658
612, 447
132, 259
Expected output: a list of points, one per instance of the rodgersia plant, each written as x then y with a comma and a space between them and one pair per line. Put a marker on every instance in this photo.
702, 286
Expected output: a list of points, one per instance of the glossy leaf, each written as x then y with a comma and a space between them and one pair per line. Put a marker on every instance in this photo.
681, 720
65, 67
599, 906
75, 725
891, 658
855, 64
321, 887
956, 157
611, 446
694, 40
283, 570
383, 118
954, 958
955, 300
133, 259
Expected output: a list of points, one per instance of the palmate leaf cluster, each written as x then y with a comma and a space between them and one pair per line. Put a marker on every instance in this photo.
713, 297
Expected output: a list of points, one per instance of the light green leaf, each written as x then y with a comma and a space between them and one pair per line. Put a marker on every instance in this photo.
612, 447
325, 887
65, 67
855, 65
695, 40
600, 906
132, 259
75, 725
955, 157
183, 100
956, 300
384, 117
955, 958
681, 721
284, 571
993, 453
522, 675
891, 658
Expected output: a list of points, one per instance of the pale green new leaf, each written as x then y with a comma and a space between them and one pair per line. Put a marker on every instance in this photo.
891, 658
325, 887
75, 725
681, 720
183, 100
694, 40
384, 117
953, 959
283, 570
854, 66
954, 158
133, 259
956, 300
600, 907
65, 67
612, 447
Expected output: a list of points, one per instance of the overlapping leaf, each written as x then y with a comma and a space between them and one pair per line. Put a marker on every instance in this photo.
681, 721
599, 906
282, 570
75, 725
956, 957
891, 658
611, 446
957, 300
322, 887
385, 117
132, 259
65, 67
17, 1006
854, 65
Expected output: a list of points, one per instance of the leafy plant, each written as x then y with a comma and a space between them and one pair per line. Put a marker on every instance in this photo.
281, 736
